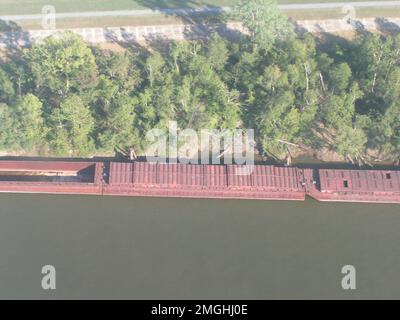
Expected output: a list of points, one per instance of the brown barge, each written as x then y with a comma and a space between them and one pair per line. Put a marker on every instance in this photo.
199, 181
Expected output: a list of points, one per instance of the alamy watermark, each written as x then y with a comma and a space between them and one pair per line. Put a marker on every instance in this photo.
188, 146
49, 278
49, 18
349, 280
350, 13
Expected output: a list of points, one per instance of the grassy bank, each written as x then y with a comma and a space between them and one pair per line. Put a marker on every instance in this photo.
165, 20
8, 7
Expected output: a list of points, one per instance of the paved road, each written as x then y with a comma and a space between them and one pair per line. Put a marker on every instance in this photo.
149, 12
338, 5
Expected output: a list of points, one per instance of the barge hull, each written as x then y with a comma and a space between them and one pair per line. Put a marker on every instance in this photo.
356, 198
141, 179
51, 189
198, 194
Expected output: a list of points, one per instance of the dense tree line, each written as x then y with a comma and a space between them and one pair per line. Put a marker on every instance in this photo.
298, 92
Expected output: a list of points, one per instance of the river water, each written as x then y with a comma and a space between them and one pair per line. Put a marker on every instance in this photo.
144, 248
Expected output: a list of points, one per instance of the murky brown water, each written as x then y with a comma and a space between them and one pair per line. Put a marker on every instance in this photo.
184, 249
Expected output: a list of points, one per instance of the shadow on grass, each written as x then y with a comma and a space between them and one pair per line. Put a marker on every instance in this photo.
124, 39
188, 11
178, 4
202, 23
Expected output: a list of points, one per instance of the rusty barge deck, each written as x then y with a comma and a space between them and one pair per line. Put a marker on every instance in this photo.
261, 182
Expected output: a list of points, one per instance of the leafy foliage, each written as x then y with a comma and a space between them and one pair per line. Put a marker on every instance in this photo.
264, 21
65, 98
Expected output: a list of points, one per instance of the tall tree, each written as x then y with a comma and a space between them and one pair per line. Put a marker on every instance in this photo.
118, 67
62, 65
30, 123
217, 52
72, 125
7, 93
264, 20
340, 76
114, 115
351, 144
8, 131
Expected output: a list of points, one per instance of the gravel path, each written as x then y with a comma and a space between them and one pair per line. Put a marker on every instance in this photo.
143, 34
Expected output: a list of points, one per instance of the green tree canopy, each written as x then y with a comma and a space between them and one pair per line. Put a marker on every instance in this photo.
30, 123
61, 65
264, 20
72, 125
